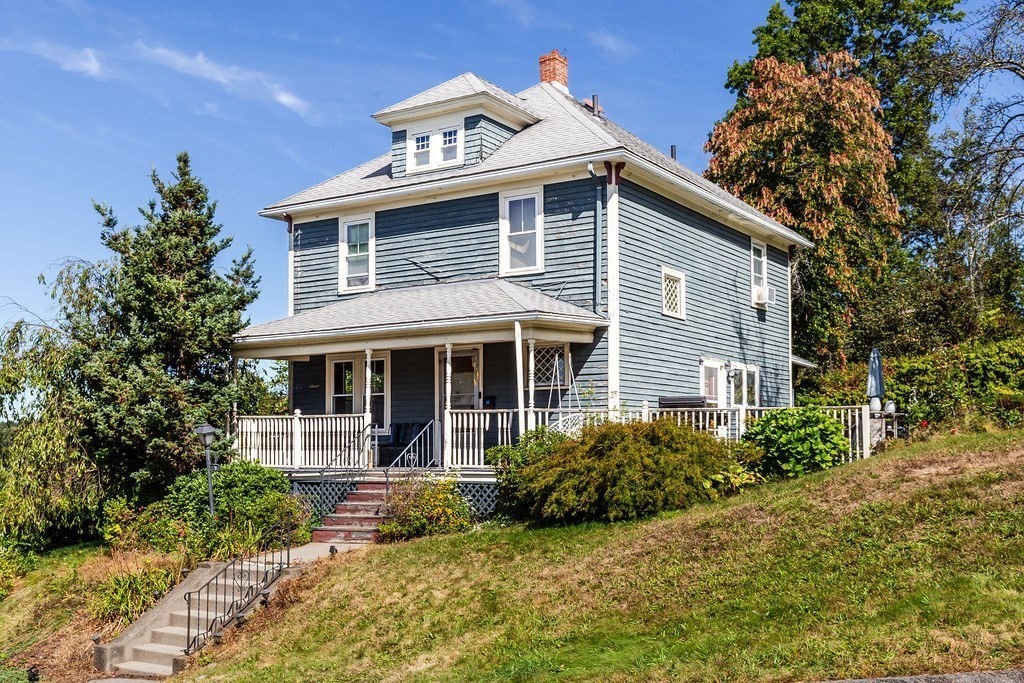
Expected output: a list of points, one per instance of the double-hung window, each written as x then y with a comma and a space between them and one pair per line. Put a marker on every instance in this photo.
421, 150
758, 269
450, 144
673, 293
357, 258
521, 228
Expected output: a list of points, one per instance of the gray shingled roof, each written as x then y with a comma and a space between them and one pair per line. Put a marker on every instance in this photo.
566, 129
437, 304
462, 85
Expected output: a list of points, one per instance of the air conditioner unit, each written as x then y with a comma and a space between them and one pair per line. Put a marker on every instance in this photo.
764, 295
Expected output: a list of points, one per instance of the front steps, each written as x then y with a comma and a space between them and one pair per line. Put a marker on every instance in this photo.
154, 646
357, 519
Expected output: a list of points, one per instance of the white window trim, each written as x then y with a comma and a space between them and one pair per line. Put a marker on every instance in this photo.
764, 270
358, 361
681, 276
435, 128
343, 223
504, 253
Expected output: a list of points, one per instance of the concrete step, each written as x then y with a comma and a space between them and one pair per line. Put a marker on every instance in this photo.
345, 534
144, 669
357, 508
371, 521
170, 635
155, 653
180, 618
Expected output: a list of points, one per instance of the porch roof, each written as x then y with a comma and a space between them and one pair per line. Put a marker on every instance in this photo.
418, 310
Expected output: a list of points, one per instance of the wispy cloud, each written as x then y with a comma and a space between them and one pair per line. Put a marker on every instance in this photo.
85, 61
234, 79
611, 44
521, 10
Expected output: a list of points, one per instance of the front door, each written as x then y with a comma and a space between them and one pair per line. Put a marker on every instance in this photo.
467, 391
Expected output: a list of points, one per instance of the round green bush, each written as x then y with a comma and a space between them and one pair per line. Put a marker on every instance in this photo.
508, 462
617, 471
795, 441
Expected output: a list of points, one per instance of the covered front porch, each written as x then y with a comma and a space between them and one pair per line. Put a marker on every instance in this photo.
376, 385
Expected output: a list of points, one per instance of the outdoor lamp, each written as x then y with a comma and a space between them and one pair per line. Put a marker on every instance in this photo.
206, 433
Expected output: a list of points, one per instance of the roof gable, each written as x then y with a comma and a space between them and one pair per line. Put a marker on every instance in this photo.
463, 91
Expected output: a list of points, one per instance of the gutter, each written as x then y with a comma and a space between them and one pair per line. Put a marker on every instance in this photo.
615, 155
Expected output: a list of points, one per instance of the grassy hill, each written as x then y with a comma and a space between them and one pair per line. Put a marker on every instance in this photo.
910, 562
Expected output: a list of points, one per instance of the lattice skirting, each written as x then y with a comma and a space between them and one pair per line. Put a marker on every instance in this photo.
334, 492
481, 497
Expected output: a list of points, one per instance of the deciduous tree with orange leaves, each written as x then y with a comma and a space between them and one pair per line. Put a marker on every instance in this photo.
808, 149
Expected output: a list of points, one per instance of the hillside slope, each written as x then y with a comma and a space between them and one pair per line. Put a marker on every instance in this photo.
911, 562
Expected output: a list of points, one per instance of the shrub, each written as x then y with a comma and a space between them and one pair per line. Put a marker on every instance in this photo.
424, 507
796, 441
508, 462
252, 507
621, 471
954, 384
123, 598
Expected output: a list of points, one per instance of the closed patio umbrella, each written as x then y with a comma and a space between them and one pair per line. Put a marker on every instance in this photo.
876, 385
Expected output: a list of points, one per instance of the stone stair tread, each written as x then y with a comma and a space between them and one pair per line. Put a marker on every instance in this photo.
160, 647
137, 668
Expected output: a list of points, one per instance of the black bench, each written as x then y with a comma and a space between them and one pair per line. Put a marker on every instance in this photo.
682, 402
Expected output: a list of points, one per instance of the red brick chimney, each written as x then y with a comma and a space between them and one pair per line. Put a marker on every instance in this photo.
554, 68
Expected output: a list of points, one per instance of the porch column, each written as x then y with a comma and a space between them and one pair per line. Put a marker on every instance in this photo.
367, 415
518, 328
532, 382
447, 446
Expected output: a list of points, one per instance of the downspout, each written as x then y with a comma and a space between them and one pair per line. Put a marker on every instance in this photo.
597, 237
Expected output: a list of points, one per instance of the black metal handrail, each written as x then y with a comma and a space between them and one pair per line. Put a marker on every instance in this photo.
229, 592
364, 437
411, 471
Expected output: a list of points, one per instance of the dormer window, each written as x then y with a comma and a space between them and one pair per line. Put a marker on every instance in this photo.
422, 153
437, 144
450, 144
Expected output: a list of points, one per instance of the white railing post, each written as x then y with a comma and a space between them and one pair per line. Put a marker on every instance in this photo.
741, 421
367, 444
645, 411
297, 439
532, 383
447, 437
865, 431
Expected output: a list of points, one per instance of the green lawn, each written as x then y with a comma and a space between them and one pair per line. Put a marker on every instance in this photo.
911, 562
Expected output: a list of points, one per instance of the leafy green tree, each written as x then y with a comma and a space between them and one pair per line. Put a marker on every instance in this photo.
808, 149
898, 47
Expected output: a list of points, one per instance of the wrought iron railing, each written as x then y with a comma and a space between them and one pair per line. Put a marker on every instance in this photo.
341, 464
420, 451
233, 589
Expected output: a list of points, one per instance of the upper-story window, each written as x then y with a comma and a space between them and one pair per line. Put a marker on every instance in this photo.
355, 269
421, 145
673, 293
521, 229
760, 293
450, 144
437, 144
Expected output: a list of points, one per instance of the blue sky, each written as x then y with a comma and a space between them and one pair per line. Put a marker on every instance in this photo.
278, 97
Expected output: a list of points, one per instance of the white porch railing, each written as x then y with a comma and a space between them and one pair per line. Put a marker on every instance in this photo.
313, 442
340, 442
474, 431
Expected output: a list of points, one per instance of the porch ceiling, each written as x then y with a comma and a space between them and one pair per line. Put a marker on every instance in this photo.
456, 312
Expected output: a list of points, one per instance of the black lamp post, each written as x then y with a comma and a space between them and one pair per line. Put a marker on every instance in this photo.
206, 433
